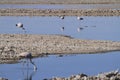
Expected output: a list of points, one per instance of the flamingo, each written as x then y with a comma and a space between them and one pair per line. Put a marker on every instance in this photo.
62, 28
79, 28
20, 25
29, 56
62, 17
79, 18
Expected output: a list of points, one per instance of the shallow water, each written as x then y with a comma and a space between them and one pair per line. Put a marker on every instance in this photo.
65, 66
59, 6
98, 28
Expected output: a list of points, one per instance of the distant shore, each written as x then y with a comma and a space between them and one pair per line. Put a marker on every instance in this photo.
59, 1
59, 12
40, 45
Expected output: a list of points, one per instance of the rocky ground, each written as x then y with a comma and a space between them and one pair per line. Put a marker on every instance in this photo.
11, 45
112, 75
111, 11
59, 12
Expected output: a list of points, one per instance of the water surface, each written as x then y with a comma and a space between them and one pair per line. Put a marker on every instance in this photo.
62, 6
65, 66
97, 28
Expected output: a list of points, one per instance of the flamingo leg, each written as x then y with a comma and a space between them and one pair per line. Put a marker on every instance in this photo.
35, 67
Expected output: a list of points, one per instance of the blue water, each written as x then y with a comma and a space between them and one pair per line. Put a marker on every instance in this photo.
65, 66
97, 28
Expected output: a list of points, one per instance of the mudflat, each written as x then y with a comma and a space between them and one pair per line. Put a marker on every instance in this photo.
97, 11
59, 12
11, 45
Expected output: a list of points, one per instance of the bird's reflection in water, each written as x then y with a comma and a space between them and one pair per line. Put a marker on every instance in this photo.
28, 74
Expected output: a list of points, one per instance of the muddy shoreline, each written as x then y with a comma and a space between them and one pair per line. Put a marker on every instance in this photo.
111, 11
59, 12
11, 45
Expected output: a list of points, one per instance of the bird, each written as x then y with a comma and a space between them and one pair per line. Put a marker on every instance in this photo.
20, 25
62, 17
62, 28
29, 56
79, 28
79, 18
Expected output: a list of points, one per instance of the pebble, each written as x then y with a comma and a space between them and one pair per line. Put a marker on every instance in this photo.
39, 45
57, 12
113, 75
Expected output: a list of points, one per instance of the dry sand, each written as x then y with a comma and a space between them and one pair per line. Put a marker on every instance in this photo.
39, 45
59, 12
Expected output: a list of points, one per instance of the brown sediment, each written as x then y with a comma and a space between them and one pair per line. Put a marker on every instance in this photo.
39, 45
58, 12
